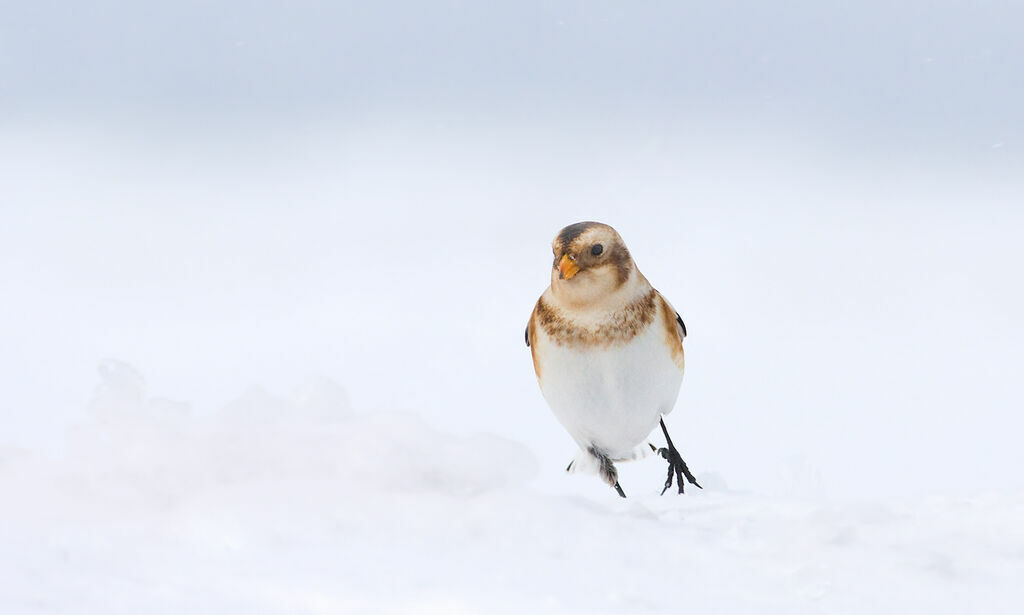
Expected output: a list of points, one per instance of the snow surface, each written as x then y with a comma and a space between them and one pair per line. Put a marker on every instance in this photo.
302, 504
850, 403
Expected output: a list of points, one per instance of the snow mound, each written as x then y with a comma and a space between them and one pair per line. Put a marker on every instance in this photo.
140, 451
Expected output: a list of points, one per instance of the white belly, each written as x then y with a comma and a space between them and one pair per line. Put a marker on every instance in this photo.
610, 398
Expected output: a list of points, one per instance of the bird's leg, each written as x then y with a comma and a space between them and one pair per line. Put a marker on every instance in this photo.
676, 465
607, 470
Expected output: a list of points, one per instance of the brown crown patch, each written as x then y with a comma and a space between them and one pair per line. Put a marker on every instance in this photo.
618, 328
572, 232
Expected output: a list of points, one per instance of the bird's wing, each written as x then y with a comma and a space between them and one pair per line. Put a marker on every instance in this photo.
531, 327
680, 325
530, 324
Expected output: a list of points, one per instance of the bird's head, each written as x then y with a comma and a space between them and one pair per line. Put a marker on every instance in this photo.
591, 261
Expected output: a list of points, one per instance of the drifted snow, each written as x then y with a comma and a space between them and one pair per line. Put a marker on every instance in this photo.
302, 504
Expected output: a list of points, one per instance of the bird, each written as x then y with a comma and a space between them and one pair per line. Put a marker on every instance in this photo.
607, 350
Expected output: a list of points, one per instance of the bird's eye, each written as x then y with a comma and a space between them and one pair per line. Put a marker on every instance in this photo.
597, 249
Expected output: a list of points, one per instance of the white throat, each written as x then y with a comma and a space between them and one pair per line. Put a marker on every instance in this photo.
597, 292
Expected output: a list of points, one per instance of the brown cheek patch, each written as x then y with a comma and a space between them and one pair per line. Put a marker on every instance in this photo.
622, 262
617, 329
672, 336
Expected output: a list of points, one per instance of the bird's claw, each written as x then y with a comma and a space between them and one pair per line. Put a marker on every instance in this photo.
677, 467
618, 489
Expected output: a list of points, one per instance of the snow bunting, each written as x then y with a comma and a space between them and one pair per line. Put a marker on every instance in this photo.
608, 352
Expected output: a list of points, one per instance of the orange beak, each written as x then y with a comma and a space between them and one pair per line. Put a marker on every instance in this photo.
567, 267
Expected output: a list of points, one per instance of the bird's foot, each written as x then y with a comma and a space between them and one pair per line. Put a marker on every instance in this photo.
676, 467
607, 470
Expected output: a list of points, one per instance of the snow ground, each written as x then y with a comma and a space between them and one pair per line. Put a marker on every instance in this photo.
302, 504
850, 402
